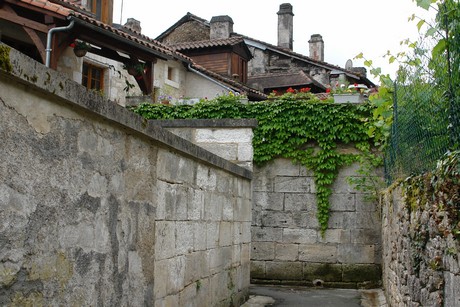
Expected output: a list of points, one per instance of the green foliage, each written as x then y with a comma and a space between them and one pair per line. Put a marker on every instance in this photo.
5, 63
299, 127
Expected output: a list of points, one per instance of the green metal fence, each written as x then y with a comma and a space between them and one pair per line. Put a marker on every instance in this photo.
426, 118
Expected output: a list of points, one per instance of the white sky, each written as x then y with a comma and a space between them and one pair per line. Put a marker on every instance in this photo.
347, 27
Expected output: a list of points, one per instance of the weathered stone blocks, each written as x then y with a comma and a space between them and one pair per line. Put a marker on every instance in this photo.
101, 208
286, 230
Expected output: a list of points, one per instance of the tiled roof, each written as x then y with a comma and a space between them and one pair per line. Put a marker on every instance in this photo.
272, 80
299, 55
188, 17
281, 80
137, 38
49, 6
232, 41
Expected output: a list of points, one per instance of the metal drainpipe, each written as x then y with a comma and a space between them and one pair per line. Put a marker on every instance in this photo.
211, 79
49, 38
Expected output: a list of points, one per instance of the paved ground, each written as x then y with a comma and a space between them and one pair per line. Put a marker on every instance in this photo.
279, 296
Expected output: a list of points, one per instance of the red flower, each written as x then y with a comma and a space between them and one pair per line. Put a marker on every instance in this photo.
72, 45
305, 90
290, 90
328, 90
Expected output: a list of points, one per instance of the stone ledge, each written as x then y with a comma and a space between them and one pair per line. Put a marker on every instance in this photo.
205, 123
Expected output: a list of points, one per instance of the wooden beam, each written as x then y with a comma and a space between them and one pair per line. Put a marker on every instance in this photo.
107, 43
38, 43
5, 13
6, 9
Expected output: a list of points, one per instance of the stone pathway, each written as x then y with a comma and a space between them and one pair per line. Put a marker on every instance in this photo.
284, 296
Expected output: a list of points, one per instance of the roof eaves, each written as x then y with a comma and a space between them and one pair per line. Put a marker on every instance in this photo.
142, 41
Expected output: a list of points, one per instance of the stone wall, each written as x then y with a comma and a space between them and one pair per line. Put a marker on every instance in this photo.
99, 207
421, 258
287, 246
230, 139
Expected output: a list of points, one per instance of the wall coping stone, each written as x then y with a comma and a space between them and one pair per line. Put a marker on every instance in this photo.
38, 77
206, 123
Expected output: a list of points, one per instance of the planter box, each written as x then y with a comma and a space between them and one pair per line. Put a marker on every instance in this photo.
348, 98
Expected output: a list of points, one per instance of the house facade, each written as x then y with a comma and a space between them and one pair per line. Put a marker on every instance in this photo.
116, 61
268, 67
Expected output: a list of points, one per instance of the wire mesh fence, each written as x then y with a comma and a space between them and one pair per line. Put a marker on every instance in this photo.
426, 111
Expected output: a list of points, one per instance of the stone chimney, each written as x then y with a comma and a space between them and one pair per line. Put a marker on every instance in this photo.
285, 26
133, 25
316, 45
221, 27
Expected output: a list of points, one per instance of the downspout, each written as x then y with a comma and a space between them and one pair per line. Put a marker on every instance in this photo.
211, 79
49, 39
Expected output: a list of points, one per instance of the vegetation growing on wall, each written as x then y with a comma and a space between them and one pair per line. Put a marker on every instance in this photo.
297, 126
432, 203
5, 63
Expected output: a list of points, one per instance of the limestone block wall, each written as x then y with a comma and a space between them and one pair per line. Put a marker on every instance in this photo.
100, 208
230, 139
421, 259
287, 246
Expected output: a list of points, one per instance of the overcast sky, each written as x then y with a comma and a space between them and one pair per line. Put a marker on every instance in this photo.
347, 27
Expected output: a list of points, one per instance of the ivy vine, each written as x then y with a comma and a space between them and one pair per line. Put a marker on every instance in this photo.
299, 127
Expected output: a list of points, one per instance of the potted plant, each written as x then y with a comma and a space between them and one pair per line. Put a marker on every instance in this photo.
354, 93
164, 99
80, 48
134, 68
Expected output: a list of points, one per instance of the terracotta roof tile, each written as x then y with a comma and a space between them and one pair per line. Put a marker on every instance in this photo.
232, 41
49, 6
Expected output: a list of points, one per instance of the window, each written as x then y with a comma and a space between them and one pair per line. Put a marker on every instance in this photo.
172, 76
93, 77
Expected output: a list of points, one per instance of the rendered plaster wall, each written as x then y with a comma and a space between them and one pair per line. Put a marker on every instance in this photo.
421, 259
287, 246
115, 77
99, 207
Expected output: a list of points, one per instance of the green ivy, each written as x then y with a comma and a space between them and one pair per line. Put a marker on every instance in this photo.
306, 130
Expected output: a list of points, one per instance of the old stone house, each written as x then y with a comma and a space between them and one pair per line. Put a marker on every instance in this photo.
116, 60
267, 67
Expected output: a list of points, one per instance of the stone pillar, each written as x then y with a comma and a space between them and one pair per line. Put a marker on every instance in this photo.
221, 27
316, 45
285, 26
133, 25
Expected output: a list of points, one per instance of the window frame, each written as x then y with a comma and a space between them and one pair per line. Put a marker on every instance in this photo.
89, 77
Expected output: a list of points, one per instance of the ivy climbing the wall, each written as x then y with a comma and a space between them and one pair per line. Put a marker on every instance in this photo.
299, 126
